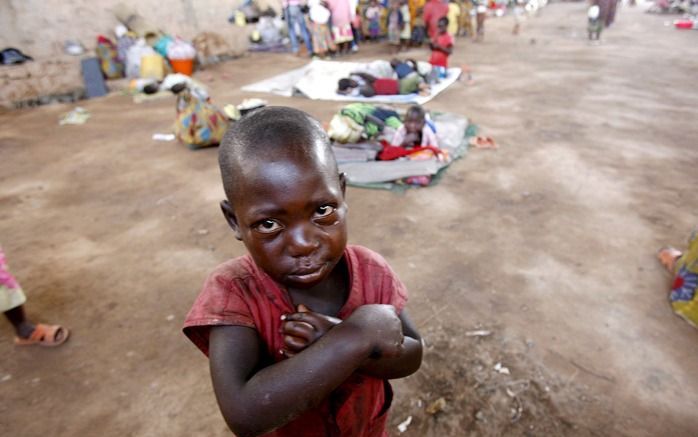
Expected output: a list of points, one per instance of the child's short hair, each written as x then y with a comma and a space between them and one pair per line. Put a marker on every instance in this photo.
267, 134
344, 84
443, 20
416, 111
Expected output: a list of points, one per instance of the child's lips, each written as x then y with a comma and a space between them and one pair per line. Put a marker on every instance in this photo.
308, 274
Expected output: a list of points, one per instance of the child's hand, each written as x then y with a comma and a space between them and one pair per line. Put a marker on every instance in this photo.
381, 327
411, 140
304, 328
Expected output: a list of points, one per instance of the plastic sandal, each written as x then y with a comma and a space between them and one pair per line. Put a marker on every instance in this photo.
45, 335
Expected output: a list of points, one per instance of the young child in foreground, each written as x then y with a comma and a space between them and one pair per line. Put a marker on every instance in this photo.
304, 331
441, 48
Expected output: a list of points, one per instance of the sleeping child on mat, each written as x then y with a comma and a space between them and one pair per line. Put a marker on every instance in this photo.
305, 331
367, 85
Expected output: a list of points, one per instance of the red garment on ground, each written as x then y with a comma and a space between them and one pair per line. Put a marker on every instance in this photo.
438, 57
239, 293
386, 87
433, 11
390, 152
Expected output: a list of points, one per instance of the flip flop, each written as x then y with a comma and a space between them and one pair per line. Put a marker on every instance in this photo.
481, 142
45, 335
668, 256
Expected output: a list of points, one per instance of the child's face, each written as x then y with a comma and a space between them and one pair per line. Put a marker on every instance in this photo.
414, 123
291, 215
442, 26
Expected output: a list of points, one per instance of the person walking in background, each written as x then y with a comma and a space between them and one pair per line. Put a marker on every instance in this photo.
395, 25
341, 24
453, 17
318, 21
373, 17
406, 32
466, 18
12, 301
481, 15
433, 12
294, 17
607, 11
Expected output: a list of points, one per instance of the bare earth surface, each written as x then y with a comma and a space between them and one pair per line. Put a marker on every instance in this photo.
548, 243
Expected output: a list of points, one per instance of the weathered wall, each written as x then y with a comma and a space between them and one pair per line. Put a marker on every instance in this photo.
39, 27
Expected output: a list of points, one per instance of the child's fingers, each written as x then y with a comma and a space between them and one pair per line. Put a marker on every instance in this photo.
298, 329
295, 344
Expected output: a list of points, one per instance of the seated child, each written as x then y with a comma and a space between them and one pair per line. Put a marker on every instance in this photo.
441, 48
415, 131
304, 332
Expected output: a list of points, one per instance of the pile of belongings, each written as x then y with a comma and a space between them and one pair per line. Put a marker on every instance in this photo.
362, 137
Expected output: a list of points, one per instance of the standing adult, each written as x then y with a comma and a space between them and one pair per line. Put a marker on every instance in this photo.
294, 17
607, 9
341, 24
434, 10
480, 17
465, 27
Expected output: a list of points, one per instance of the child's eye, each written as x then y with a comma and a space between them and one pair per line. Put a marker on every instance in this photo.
324, 211
267, 226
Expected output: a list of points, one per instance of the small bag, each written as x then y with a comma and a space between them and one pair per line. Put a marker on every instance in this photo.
108, 55
199, 123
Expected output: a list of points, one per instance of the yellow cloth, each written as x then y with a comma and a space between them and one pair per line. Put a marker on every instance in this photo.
415, 6
453, 14
684, 296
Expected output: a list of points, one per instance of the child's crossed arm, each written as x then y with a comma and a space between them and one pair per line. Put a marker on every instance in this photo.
303, 328
255, 399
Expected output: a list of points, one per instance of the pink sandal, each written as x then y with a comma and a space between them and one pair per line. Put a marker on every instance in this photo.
45, 335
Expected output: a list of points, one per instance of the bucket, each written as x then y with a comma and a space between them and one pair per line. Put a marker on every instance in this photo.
184, 66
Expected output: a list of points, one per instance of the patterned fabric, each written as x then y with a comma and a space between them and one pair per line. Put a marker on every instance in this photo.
112, 66
395, 22
322, 38
407, 19
199, 123
342, 33
683, 296
11, 295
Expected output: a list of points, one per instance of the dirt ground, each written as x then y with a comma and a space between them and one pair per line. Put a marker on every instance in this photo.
547, 244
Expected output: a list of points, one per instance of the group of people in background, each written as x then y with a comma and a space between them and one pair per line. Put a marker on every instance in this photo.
335, 27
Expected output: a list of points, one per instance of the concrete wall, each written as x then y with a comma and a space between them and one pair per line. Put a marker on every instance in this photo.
39, 27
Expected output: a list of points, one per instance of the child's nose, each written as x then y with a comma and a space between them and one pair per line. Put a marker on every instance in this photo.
302, 240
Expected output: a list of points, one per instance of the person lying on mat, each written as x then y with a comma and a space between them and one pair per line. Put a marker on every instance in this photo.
366, 85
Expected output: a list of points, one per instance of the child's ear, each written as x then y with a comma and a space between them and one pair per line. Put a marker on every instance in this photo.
343, 183
229, 215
